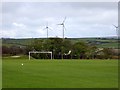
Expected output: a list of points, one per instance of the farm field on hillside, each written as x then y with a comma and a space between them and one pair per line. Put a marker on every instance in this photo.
101, 43
60, 73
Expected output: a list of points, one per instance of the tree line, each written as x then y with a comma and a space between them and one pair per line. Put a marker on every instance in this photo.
61, 49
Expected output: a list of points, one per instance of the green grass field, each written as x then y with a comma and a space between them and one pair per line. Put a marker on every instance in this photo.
59, 73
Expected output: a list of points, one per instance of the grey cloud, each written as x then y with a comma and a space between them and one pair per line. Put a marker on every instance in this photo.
80, 18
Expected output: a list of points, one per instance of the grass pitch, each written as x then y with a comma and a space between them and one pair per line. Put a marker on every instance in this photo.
60, 73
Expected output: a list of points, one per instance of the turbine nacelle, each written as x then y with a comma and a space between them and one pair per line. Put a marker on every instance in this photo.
61, 24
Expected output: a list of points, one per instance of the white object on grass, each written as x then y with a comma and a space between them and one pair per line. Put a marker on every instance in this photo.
68, 52
22, 64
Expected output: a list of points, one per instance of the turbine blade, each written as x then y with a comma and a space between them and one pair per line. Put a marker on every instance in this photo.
47, 24
49, 28
64, 20
44, 28
65, 28
115, 26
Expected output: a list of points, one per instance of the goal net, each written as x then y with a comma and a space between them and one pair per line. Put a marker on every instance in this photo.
38, 52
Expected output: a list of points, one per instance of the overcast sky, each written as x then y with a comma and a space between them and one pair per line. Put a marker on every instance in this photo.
88, 19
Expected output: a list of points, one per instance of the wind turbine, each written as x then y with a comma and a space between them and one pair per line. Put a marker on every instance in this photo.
63, 24
117, 27
47, 28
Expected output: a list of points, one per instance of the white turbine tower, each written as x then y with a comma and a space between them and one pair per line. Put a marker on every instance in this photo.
47, 28
63, 24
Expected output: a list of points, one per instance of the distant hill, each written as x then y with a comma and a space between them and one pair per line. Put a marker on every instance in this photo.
109, 42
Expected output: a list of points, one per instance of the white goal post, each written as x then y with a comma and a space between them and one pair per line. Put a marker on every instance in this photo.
40, 52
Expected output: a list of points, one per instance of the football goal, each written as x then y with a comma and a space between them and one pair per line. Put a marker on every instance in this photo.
38, 52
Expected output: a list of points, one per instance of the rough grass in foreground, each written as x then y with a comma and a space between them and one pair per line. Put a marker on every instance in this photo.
60, 73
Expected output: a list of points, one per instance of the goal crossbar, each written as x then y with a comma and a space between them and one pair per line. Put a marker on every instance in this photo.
40, 52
